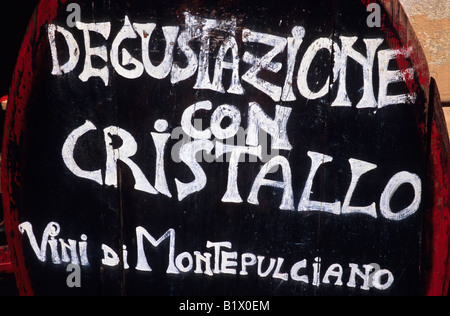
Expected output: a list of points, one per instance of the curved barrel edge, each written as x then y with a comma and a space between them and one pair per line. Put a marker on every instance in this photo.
14, 125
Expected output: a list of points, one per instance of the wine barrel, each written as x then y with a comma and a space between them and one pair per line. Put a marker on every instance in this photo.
232, 147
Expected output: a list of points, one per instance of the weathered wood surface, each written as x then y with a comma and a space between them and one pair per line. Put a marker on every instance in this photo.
97, 172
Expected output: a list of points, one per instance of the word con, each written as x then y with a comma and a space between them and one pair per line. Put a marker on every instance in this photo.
204, 33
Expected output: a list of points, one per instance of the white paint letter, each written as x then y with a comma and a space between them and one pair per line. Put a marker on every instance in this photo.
317, 267
229, 262
103, 29
368, 100
265, 274
377, 277
358, 169
186, 120
232, 195
277, 128
264, 63
127, 150
187, 155
248, 260
364, 276
277, 274
178, 73
206, 258
142, 263
335, 270
221, 64
287, 203
180, 265
145, 31
217, 117
69, 160
72, 247
160, 140
82, 246
217, 246
305, 203
296, 268
391, 76
74, 50
294, 44
310, 54
125, 257
51, 231
110, 257
137, 70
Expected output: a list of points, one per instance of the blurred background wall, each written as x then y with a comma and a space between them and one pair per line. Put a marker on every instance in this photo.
431, 22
